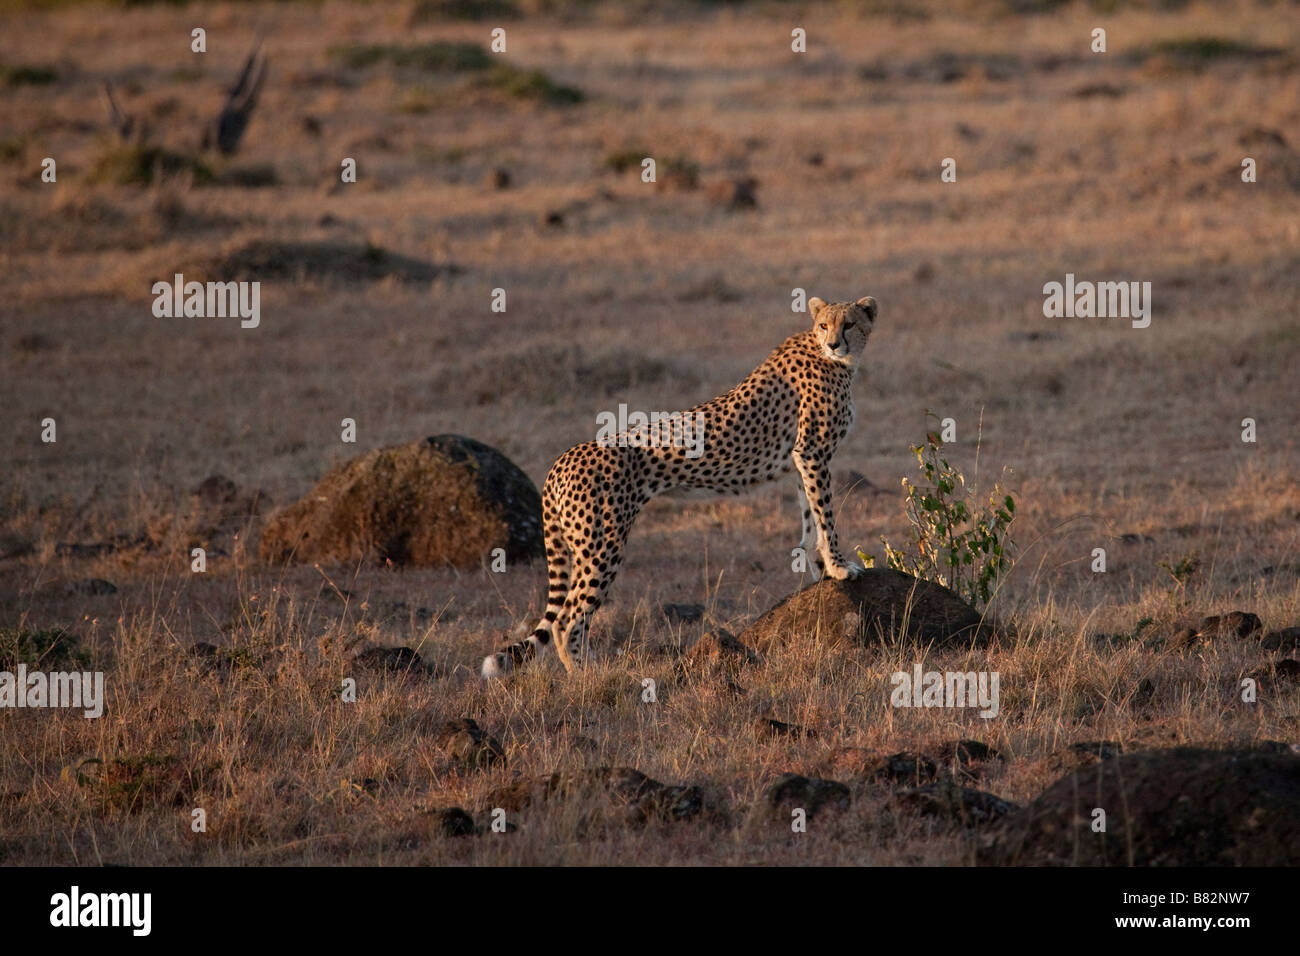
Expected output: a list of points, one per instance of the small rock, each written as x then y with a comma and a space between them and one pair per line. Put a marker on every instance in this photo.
209, 658
851, 483
630, 796
686, 613
792, 791
1241, 624
35, 342
1285, 639
1286, 670
736, 193
903, 767
13, 546
92, 587
1145, 693
499, 178
216, 490
388, 659
878, 604
454, 822
968, 751
468, 744
962, 805
721, 647
1261, 136
779, 728
1134, 538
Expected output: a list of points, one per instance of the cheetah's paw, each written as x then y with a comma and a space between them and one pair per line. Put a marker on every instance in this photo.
843, 571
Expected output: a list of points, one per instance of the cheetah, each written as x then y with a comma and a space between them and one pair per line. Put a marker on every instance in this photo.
790, 413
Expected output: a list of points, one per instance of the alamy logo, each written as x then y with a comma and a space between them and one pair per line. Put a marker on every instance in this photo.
75, 908
946, 689
55, 689
1101, 300
653, 430
211, 300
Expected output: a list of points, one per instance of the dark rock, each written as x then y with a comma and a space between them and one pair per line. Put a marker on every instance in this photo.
686, 613
720, 648
447, 500
628, 796
1240, 624
393, 659
469, 745
1287, 669
453, 822
35, 342
779, 728
1145, 692
853, 483
868, 608
1105, 90
968, 751
903, 767
740, 193
1286, 639
92, 587
1180, 807
962, 805
14, 546
499, 178
792, 791
1261, 136
216, 490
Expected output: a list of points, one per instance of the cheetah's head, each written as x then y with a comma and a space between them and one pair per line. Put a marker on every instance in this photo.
842, 329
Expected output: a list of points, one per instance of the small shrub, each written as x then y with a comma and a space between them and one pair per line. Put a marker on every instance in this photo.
440, 56
51, 649
955, 540
27, 75
533, 85
621, 160
140, 165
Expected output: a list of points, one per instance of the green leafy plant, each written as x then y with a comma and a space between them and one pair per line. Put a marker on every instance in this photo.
955, 538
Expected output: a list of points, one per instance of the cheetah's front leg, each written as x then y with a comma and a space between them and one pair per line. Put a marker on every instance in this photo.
816, 477
809, 540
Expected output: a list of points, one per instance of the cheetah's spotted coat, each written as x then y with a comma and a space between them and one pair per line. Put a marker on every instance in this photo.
791, 412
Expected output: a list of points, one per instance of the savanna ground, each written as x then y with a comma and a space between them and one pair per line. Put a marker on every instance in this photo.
1123, 165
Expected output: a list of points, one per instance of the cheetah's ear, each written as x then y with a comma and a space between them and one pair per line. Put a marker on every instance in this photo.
815, 305
868, 303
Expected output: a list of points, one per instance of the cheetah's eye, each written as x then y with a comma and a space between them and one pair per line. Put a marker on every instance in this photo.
824, 325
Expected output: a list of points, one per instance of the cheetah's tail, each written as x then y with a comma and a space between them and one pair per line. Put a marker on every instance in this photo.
557, 571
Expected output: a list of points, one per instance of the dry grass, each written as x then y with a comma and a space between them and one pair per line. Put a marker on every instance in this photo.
1122, 166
